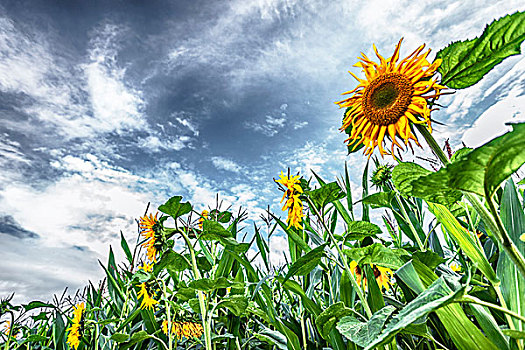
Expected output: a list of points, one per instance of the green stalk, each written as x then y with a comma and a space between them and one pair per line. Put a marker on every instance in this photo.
202, 303
6, 347
474, 300
409, 222
343, 258
492, 221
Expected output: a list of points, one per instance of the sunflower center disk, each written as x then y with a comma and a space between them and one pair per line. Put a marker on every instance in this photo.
387, 98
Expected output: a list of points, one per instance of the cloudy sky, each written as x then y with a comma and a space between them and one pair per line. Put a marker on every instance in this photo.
109, 105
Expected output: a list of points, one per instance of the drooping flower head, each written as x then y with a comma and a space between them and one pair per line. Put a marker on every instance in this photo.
150, 230
382, 175
204, 216
393, 95
183, 329
147, 294
454, 266
293, 204
383, 275
77, 328
7, 327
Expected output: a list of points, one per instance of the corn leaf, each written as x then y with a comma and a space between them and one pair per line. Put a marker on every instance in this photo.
377, 254
512, 283
464, 239
466, 62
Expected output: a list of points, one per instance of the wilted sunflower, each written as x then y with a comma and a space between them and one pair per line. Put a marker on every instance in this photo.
150, 228
183, 329
76, 329
293, 204
383, 275
393, 95
146, 294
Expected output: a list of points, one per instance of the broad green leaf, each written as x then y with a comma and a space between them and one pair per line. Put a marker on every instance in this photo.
237, 304
306, 263
325, 194
173, 261
436, 296
33, 338
185, 293
375, 294
377, 254
465, 240
327, 319
221, 216
174, 208
134, 339
460, 152
346, 290
405, 176
207, 285
362, 333
480, 171
262, 246
120, 337
512, 283
212, 230
466, 62
296, 288
292, 235
361, 229
379, 199
429, 258
272, 337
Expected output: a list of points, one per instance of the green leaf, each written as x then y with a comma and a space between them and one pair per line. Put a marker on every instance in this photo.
33, 338
125, 248
120, 337
326, 194
207, 285
273, 338
361, 229
172, 261
514, 333
326, 320
36, 304
377, 254
466, 62
436, 296
379, 199
512, 282
237, 304
362, 333
429, 258
134, 339
174, 208
489, 326
212, 230
221, 216
465, 240
405, 176
480, 171
306, 263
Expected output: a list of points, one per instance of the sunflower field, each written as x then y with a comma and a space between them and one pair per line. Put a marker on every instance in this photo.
444, 269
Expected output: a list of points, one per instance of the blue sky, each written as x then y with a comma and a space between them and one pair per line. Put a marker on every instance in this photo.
108, 105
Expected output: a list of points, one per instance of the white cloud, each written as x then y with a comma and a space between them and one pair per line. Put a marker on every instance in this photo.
222, 163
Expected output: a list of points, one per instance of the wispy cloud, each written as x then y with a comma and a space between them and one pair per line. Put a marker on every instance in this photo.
222, 163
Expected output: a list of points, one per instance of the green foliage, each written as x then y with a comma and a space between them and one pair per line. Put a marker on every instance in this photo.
377, 254
479, 171
466, 62
327, 193
174, 208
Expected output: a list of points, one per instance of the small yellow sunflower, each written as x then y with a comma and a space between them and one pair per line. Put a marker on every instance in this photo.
204, 216
183, 329
454, 266
293, 204
147, 297
383, 275
7, 327
76, 329
149, 227
393, 95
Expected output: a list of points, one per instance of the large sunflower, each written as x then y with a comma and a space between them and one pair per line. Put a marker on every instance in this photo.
393, 95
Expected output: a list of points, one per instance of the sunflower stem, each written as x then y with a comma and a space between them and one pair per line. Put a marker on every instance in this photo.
360, 293
202, 304
409, 222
